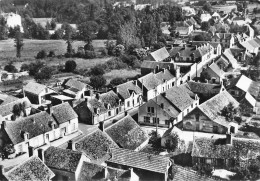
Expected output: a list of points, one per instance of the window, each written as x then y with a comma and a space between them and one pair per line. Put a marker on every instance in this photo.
146, 119
167, 122
128, 103
150, 110
154, 120
109, 113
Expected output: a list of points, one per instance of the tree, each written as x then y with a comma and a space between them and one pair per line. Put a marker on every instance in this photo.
119, 50
158, 45
207, 7
204, 76
8, 150
35, 67
3, 29
58, 34
97, 70
229, 112
10, 68
41, 54
24, 67
12, 31
198, 38
205, 26
117, 81
53, 24
70, 66
87, 31
155, 139
18, 43
97, 81
44, 74
173, 142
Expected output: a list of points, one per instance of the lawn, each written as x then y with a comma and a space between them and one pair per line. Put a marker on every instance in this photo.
32, 47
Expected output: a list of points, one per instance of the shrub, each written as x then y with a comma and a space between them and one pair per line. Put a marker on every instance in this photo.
44, 74
89, 47
97, 82
10, 68
70, 66
24, 67
110, 45
41, 54
51, 54
103, 52
90, 54
117, 81
116, 63
119, 50
97, 70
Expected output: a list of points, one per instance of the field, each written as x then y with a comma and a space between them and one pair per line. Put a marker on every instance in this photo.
32, 47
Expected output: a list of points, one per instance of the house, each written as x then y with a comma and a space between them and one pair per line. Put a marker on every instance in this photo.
168, 107
224, 153
65, 163
215, 74
167, 78
91, 171
130, 93
225, 39
188, 11
217, 46
153, 167
66, 118
184, 29
207, 118
35, 130
244, 90
30, 170
7, 108
37, 93
165, 28
127, 134
159, 55
96, 145
99, 108
204, 91
152, 66
192, 54
76, 89
251, 46
12, 20
205, 17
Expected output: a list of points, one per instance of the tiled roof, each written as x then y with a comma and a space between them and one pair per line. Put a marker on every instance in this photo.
213, 107
164, 75
62, 159
90, 172
204, 88
149, 81
241, 149
96, 146
153, 65
228, 54
34, 88
35, 125
141, 160
94, 103
63, 113
159, 55
179, 98
127, 133
182, 30
168, 106
33, 169
7, 109
171, 131
75, 84
5, 99
110, 97
215, 68
225, 36
184, 174
125, 89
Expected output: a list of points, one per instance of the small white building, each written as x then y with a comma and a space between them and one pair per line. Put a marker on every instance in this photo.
13, 20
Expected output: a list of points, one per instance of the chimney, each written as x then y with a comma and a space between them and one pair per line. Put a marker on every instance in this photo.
1, 170
101, 126
41, 154
131, 172
50, 110
162, 105
164, 70
3, 125
86, 99
126, 113
157, 69
135, 82
164, 94
178, 74
30, 150
105, 173
229, 139
71, 145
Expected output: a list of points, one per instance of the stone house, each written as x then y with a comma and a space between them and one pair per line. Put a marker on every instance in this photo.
226, 40
215, 74
76, 89
159, 55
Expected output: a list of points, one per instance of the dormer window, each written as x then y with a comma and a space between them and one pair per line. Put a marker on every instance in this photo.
96, 110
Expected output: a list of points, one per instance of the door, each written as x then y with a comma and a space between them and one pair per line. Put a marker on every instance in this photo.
117, 110
47, 138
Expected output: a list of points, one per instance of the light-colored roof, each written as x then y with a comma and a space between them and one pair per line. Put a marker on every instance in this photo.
244, 83
159, 55
75, 84
63, 113
34, 88
62, 97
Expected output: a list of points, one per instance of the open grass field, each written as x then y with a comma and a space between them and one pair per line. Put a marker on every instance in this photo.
32, 47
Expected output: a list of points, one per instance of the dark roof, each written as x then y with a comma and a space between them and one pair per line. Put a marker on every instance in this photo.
159, 55
184, 174
63, 113
75, 84
141, 160
225, 36
62, 159
164, 75
153, 65
213, 107
125, 89
241, 149
7, 109
34, 88
111, 98
96, 146
90, 172
179, 98
31, 170
204, 88
35, 125
95, 103
127, 133
150, 81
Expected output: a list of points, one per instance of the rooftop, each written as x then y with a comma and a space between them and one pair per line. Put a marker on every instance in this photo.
140, 160
7, 108
63, 113
62, 159
31, 170
204, 88
75, 84
150, 81
159, 55
110, 97
127, 133
125, 89
34, 88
